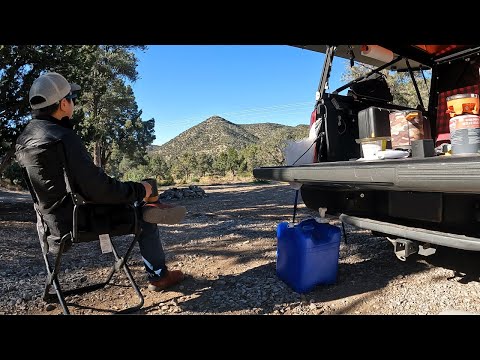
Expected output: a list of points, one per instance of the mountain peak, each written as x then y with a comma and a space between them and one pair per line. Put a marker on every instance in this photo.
216, 119
217, 134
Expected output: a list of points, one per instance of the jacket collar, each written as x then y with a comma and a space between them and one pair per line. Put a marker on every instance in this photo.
64, 122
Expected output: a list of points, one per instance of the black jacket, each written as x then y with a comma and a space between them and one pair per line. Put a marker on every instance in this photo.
34, 150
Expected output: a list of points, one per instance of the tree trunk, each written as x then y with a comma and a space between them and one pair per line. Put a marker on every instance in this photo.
97, 154
103, 157
7, 159
107, 157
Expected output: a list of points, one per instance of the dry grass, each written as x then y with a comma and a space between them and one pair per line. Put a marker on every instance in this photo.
217, 180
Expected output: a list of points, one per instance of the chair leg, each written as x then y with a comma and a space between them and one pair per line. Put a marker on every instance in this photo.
120, 263
134, 285
52, 279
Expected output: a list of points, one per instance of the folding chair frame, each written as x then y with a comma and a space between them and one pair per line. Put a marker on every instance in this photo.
120, 264
53, 269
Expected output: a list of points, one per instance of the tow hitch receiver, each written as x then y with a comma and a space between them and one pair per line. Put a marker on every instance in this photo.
403, 248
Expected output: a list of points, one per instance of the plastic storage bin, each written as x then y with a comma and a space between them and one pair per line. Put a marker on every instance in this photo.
374, 122
307, 254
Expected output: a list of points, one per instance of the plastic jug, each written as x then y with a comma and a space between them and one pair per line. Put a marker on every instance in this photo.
307, 253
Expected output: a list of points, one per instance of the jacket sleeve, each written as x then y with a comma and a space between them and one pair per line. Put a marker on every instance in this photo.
92, 182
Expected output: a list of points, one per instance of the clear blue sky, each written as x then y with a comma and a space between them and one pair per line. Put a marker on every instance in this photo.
181, 86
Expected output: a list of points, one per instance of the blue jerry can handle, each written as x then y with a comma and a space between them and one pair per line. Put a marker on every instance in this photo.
308, 224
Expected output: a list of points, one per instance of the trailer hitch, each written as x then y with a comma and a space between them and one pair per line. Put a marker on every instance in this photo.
403, 248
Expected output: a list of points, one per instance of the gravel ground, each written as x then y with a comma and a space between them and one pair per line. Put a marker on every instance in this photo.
227, 248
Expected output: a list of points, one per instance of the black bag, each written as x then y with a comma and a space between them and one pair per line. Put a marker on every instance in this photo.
374, 87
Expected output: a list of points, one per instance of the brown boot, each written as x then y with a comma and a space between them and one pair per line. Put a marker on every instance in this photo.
171, 278
160, 213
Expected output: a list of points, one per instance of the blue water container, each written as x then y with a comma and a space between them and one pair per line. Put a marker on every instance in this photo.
307, 254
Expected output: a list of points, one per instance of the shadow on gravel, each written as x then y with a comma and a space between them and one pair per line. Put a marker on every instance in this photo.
464, 264
233, 293
20, 211
365, 278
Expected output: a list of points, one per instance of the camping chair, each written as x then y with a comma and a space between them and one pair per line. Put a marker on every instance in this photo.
90, 220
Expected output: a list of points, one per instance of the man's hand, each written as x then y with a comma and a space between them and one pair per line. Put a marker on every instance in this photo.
148, 190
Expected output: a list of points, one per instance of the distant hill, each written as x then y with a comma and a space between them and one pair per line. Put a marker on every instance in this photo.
216, 134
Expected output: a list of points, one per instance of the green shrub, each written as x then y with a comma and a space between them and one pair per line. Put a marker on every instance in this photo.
166, 182
137, 174
13, 174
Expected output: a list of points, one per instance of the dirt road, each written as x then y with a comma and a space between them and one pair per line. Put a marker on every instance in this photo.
227, 248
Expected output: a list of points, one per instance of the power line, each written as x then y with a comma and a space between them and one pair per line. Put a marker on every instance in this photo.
253, 112
272, 117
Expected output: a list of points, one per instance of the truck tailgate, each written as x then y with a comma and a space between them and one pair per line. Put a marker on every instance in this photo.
457, 174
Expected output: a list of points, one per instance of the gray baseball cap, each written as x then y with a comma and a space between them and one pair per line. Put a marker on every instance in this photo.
50, 88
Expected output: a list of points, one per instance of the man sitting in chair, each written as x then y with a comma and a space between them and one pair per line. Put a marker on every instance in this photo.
52, 99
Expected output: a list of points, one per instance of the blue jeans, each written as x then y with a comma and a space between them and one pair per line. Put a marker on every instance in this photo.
151, 249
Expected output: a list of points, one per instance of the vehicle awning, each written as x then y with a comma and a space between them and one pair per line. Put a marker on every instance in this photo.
420, 56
